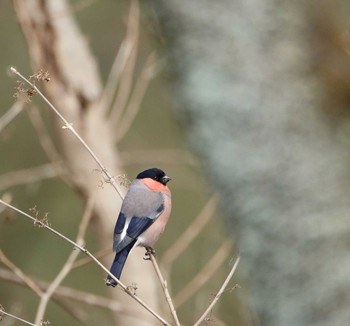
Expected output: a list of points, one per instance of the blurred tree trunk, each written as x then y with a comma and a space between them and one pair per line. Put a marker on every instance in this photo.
55, 44
256, 112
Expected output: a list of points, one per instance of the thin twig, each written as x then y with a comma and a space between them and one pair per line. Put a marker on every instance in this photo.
69, 126
67, 266
26, 279
205, 274
218, 295
14, 110
51, 289
192, 231
164, 284
27, 176
86, 260
3, 312
46, 142
148, 72
123, 56
124, 90
85, 251
43, 134
58, 298
65, 292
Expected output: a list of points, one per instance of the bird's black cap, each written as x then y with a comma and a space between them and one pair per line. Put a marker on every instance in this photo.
155, 174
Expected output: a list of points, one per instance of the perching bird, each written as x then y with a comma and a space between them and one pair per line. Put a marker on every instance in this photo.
142, 218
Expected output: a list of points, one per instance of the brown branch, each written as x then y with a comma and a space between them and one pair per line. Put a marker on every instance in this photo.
14, 110
3, 312
204, 275
147, 74
45, 297
70, 127
72, 294
46, 142
27, 176
85, 251
218, 295
123, 56
86, 260
164, 284
193, 230
20, 274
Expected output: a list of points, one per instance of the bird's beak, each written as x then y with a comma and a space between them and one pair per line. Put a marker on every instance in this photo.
165, 179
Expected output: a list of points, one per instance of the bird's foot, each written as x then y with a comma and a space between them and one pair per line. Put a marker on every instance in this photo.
149, 251
111, 282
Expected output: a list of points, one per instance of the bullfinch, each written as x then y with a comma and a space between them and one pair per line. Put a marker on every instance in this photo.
143, 215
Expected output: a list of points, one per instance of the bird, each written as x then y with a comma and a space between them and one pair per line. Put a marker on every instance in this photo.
143, 215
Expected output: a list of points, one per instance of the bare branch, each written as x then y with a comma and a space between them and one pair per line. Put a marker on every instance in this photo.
164, 284
68, 265
46, 142
15, 109
204, 275
123, 56
3, 312
222, 289
86, 260
126, 79
190, 233
43, 134
69, 126
27, 176
148, 72
84, 250
26, 279
72, 294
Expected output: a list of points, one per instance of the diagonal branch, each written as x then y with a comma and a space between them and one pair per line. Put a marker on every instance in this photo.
222, 289
70, 127
85, 251
14, 110
190, 233
164, 284
123, 56
204, 275
3, 312
26, 279
147, 74
26, 176
67, 267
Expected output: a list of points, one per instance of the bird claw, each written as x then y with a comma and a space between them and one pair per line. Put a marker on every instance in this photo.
149, 251
111, 282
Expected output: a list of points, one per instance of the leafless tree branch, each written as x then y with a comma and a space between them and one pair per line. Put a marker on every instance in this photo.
123, 56
15, 109
164, 284
84, 250
45, 297
218, 295
204, 275
27, 176
194, 229
26, 279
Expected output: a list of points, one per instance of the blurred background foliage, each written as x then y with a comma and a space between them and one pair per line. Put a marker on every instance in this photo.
156, 131
158, 138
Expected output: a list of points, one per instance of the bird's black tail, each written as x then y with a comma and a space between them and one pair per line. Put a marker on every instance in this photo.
118, 264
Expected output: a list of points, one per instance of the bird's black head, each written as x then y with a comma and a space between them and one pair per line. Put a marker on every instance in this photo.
155, 174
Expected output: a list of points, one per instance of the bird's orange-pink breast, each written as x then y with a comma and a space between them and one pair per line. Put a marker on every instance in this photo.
156, 186
152, 234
